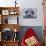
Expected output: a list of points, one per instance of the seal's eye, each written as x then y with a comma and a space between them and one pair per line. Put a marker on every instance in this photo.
26, 12
32, 12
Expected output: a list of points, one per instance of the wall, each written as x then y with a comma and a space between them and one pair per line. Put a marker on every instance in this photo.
32, 4
27, 4
6, 3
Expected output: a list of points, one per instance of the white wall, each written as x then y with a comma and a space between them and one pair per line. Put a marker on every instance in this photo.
27, 4
12, 20
6, 3
32, 4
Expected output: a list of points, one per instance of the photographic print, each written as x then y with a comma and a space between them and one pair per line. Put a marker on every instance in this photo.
29, 13
5, 12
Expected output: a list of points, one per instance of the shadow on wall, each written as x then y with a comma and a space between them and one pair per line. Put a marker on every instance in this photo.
37, 29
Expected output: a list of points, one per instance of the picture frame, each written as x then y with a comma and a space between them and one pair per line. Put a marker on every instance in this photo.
13, 12
29, 13
12, 19
5, 12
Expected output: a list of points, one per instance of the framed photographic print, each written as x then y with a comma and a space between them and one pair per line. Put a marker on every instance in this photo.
12, 12
29, 13
5, 12
12, 20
